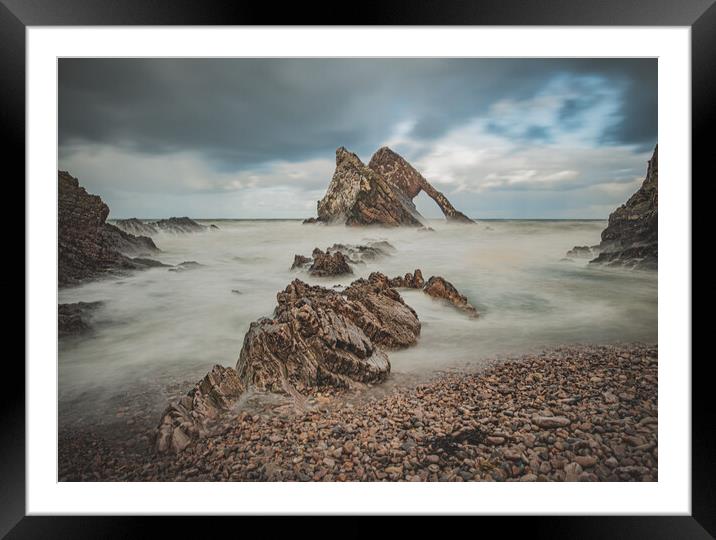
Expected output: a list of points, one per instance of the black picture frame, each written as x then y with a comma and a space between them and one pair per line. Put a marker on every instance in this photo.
16, 15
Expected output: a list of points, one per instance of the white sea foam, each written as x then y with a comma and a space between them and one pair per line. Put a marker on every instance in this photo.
158, 326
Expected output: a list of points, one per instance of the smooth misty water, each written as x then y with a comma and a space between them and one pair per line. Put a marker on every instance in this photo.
158, 327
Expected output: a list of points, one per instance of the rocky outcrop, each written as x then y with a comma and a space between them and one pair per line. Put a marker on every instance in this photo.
402, 174
357, 254
335, 260
136, 226
329, 264
583, 252
186, 265
74, 319
321, 337
631, 237
87, 245
438, 287
177, 225
317, 337
413, 281
300, 261
357, 195
192, 415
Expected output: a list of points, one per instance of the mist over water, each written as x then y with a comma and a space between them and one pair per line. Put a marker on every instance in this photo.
159, 327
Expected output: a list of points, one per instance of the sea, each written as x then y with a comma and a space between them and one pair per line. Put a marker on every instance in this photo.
158, 331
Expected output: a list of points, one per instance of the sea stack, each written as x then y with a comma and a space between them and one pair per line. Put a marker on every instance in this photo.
631, 237
357, 195
380, 193
403, 175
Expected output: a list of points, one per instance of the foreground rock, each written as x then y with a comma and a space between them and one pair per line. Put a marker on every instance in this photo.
318, 338
87, 245
74, 319
381, 193
539, 417
192, 415
321, 337
631, 237
402, 174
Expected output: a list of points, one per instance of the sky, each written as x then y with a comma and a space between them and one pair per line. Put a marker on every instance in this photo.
256, 138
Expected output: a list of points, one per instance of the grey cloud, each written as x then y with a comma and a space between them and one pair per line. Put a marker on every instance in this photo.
241, 112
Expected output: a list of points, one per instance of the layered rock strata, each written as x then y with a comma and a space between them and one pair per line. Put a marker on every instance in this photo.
631, 237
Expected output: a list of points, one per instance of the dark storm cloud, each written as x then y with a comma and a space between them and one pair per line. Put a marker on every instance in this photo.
240, 113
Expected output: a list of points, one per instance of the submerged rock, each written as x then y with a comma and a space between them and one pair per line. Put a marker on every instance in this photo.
186, 265
583, 252
73, 319
300, 261
87, 245
631, 237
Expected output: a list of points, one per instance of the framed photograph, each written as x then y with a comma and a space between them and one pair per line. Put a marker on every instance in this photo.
410, 266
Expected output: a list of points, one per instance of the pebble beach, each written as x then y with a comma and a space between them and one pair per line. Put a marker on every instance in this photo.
577, 413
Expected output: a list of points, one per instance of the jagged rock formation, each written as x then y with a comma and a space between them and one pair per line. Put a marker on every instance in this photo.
317, 337
409, 281
176, 225
73, 319
631, 237
438, 287
323, 337
402, 174
335, 260
87, 245
192, 415
357, 195
357, 254
179, 225
378, 194
136, 226
329, 264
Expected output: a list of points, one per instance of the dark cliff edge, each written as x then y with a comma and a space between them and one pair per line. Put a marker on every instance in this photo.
631, 237
88, 246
